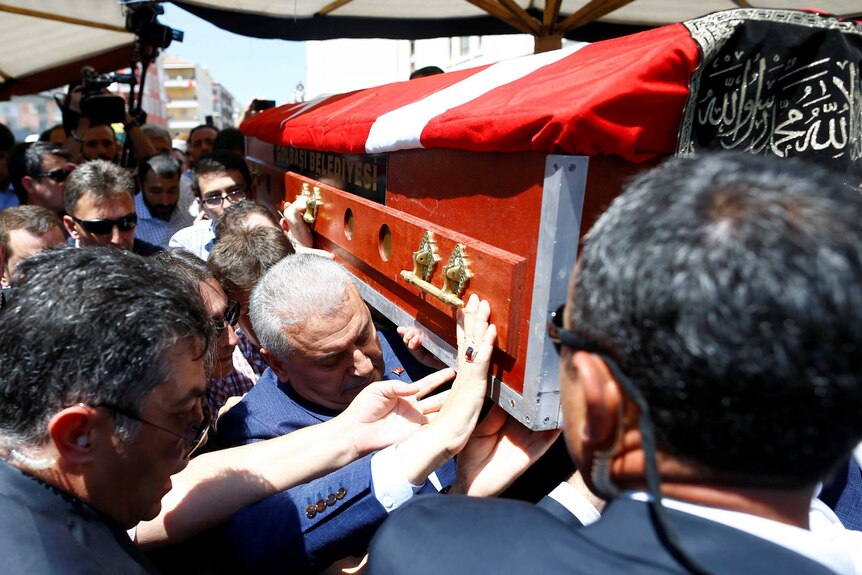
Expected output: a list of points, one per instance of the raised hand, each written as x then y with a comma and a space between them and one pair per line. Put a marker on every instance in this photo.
386, 412
498, 452
446, 435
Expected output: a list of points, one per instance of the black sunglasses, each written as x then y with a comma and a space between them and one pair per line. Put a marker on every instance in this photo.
58, 175
104, 226
231, 317
560, 336
194, 436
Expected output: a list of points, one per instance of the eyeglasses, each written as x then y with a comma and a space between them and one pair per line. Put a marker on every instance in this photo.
104, 226
232, 196
231, 317
194, 436
560, 336
58, 175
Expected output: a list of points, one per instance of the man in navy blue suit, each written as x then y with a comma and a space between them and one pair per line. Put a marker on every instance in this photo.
323, 348
710, 376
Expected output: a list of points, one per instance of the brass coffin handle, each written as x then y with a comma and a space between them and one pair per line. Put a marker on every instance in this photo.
312, 202
456, 272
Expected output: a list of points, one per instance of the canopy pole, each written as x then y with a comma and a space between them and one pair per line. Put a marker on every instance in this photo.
547, 42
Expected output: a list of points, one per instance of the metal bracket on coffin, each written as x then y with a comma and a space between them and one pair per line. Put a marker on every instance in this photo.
456, 272
312, 202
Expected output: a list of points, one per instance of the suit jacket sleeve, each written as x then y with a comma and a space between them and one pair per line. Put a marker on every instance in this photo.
288, 530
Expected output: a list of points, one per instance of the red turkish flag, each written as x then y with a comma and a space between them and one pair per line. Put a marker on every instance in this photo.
623, 96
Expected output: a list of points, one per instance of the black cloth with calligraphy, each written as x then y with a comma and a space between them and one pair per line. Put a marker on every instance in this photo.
778, 82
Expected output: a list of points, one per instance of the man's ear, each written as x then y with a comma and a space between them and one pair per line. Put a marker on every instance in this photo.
3, 278
279, 367
69, 224
602, 399
70, 431
28, 184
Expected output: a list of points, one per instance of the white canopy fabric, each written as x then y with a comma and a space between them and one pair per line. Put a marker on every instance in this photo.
412, 19
44, 43
634, 12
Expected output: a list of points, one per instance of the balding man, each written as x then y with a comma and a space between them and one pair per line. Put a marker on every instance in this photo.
323, 349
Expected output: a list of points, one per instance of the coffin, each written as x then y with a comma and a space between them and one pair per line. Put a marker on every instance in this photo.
484, 180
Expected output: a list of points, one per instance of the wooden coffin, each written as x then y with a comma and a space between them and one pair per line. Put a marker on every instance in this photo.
483, 181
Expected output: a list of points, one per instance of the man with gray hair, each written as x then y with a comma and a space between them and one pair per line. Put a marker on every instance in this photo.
100, 208
322, 347
90, 439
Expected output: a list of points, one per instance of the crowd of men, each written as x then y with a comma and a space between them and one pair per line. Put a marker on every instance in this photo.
180, 371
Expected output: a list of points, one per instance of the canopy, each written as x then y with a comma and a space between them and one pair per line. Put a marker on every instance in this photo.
45, 42
412, 19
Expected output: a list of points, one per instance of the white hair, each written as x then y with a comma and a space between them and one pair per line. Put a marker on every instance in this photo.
297, 288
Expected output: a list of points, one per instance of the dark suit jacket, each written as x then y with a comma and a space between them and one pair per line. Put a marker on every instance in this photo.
46, 532
843, 493
455, 535
311, 525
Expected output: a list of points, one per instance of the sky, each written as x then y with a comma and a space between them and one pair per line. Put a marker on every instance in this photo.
248, 67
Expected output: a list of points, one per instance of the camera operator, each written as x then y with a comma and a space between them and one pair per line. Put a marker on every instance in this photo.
88, 112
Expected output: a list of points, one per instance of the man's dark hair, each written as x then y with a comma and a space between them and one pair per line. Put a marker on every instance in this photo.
194, 270
425, 72
100, 178
220, 161
230, 139
239, 259
34, 219
235, 215
729, 288
26, 159
200, 127
46, 135
186, 264
7, 138
162, 165
91, 325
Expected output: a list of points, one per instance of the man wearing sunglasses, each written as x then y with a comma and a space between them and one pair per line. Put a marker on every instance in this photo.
221, 179
38, 172
100, 208
710, 376
90, 439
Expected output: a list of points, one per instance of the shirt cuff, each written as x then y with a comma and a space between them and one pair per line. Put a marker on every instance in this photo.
390, 486
570, 498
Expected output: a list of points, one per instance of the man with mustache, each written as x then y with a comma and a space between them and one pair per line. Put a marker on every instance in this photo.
322, 347
162, 210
